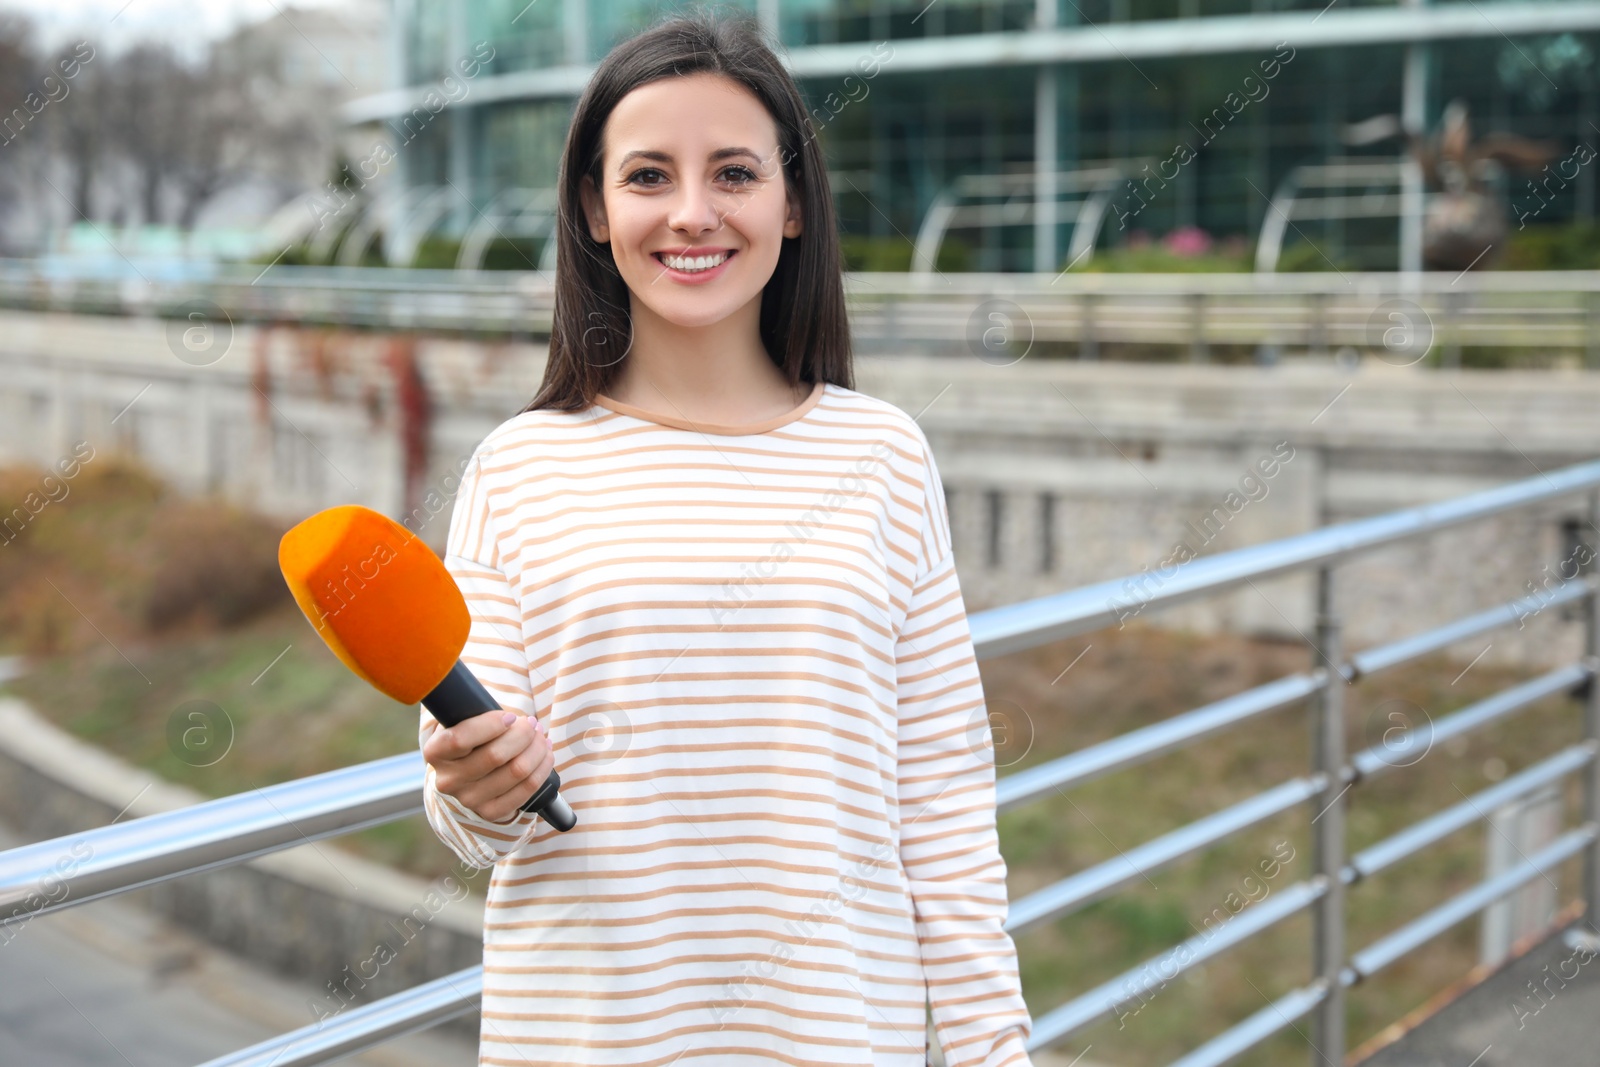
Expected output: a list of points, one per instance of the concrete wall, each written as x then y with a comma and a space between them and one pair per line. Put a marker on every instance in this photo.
1059, 473
1131, 459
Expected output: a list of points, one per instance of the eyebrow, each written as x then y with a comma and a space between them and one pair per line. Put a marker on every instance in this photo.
666, 157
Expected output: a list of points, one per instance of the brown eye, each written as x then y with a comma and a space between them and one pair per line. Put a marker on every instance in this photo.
646, 176
738, 175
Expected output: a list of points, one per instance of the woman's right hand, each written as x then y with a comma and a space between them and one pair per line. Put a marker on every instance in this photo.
492, 763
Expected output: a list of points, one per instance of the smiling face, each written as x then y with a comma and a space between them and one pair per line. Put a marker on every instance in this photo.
692, 199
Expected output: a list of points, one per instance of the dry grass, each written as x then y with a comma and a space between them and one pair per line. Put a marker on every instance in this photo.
1131, 678
113, 554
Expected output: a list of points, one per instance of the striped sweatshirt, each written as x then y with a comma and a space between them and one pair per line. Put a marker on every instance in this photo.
751, 654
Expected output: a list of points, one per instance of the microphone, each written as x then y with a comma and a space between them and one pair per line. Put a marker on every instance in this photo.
386, 606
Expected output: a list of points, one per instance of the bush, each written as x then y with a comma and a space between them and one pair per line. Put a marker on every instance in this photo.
1554, 246
1186, 250
213, 560
1306, 256
436, 253
513, 253
893, 254
118, 554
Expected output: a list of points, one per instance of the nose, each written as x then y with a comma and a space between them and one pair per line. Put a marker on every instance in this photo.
694, 211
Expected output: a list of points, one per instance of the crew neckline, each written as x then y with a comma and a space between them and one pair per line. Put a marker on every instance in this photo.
725, 429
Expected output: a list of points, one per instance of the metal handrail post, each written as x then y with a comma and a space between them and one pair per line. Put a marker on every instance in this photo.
1327, 832
1591, 780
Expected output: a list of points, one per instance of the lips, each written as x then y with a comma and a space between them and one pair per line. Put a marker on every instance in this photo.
688, 262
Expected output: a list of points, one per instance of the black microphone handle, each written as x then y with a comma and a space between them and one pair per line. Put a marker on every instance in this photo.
460, 696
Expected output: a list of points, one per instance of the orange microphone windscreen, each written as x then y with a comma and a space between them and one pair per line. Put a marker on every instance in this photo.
379, 597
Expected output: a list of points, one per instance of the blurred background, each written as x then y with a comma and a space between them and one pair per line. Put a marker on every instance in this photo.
1259, 345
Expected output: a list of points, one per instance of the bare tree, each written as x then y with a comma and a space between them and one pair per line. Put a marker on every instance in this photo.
148, 134
79, 135
147, 102
192, 130
17, 63
223, 138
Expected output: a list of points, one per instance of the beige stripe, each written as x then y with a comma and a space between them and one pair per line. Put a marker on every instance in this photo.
701, 841
446, 821
580, 642
570, 533
711, 887
698, 583
724, 676
970, 875
655, 845
931, 740
561, 439
696, 887
735, 1007
777, 626
598, 780
596, 803
574, 666
637, 754
783, 517
717, 555
689, 1053
672, 986
877, 724
510, 947
923, 610
646, 477
786, 511
981, 809
654, 966
627, 921
819, 724
642, 606
986, 1035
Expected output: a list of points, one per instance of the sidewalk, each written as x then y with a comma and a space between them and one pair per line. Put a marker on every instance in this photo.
109, 983
1506, 1022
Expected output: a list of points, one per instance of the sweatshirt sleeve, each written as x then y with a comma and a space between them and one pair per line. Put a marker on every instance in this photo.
495, 654
948, 844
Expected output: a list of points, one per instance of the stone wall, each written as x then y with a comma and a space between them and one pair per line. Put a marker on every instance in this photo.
1128, 460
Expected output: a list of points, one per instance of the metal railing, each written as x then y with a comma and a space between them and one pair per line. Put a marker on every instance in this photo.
121, 857
1079, 313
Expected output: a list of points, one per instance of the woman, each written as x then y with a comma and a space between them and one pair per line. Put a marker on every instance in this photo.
712, 585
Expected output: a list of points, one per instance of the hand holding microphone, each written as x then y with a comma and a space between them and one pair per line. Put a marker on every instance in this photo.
388, 608
491, 763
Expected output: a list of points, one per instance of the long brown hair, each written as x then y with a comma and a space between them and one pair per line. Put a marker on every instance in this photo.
803, 323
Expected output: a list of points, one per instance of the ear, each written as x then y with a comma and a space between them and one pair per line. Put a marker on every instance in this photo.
793, 223
594, 210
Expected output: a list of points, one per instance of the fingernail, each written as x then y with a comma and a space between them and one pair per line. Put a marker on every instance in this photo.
509, 717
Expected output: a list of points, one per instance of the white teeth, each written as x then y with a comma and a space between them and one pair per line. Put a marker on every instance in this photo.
692, 264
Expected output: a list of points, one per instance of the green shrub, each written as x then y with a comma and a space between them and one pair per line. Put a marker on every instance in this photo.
436, 253
893, 254
1554, 246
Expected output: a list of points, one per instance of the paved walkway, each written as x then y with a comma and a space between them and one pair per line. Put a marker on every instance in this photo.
1502, 1023
108, 984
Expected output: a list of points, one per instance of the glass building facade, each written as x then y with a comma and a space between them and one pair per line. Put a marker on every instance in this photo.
1199, 108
